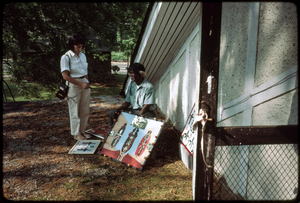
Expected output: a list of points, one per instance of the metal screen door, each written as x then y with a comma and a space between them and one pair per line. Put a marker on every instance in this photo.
253, 151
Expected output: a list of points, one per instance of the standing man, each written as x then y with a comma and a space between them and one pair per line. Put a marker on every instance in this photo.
140, 95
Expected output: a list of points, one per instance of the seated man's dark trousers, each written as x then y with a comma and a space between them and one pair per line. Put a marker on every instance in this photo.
149, 114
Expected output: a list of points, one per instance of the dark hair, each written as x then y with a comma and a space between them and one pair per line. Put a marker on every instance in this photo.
75, 40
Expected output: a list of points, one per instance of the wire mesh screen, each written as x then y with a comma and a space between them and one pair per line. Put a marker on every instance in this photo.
256, 172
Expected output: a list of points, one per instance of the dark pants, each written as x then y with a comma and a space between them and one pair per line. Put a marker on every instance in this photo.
149, 114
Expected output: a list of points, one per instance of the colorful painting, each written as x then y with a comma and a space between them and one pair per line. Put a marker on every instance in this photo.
85, 147
131, 139
118, 135
101, 131
139, 122
188, 135
143, 144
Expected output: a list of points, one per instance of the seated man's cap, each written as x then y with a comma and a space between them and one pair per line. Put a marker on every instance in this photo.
137, 66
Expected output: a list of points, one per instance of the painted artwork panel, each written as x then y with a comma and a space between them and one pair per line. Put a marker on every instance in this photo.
85, 147
131, 139
139, 122
187, 137
100, 132
185, 157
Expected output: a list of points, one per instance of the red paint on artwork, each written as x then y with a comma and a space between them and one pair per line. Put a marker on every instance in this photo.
143, 143
112, 154
101, 130
186, 148
132, 161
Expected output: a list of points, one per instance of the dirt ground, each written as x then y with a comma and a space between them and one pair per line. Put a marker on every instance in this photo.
36, 164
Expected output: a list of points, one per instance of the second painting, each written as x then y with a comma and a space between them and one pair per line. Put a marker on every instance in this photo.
131, 139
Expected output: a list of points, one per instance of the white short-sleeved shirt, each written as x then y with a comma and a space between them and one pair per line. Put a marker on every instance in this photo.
140, 95
79, 66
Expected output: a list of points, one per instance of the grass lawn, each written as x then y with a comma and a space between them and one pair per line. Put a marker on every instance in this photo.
98, 89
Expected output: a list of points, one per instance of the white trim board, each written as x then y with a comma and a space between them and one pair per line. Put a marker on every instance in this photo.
148, 30
251, 45
183, 48
249, 82
274, 87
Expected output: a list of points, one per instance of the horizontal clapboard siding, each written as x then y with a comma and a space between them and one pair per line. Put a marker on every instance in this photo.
175, 44
173, 24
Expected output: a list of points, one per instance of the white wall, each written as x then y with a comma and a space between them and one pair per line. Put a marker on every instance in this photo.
258, 65
178, 89
258, 86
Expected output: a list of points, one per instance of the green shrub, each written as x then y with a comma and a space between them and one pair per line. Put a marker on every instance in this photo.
116, 56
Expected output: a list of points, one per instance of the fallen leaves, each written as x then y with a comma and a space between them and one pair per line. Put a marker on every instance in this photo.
37, 166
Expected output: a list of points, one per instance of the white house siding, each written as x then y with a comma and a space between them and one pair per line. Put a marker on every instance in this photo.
277, 52
194, 71
179, 86
164, 102
259, 50
258, 86
233, 57
170, 51
178, 81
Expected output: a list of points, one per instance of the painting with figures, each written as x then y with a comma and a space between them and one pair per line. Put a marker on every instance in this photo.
100, 132
85, 147
131, 139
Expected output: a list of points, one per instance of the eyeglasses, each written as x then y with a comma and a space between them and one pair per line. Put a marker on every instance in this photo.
130, 73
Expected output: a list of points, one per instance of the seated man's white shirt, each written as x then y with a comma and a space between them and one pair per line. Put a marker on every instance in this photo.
140, 95
79, 66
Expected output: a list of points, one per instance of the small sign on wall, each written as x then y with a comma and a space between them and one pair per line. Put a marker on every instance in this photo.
187, 140
188, 134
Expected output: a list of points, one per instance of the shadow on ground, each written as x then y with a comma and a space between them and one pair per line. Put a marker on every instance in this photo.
37, 166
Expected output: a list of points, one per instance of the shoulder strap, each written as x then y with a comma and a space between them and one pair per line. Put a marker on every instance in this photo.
69, 67
62, 79
69, 62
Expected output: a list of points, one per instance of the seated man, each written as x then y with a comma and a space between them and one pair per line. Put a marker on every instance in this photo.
140, 95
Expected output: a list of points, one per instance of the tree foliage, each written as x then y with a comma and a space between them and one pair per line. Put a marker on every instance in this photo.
35, 34
128, 28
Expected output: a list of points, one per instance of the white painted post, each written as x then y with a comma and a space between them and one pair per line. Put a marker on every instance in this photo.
249, 81
186, 82
195, 155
